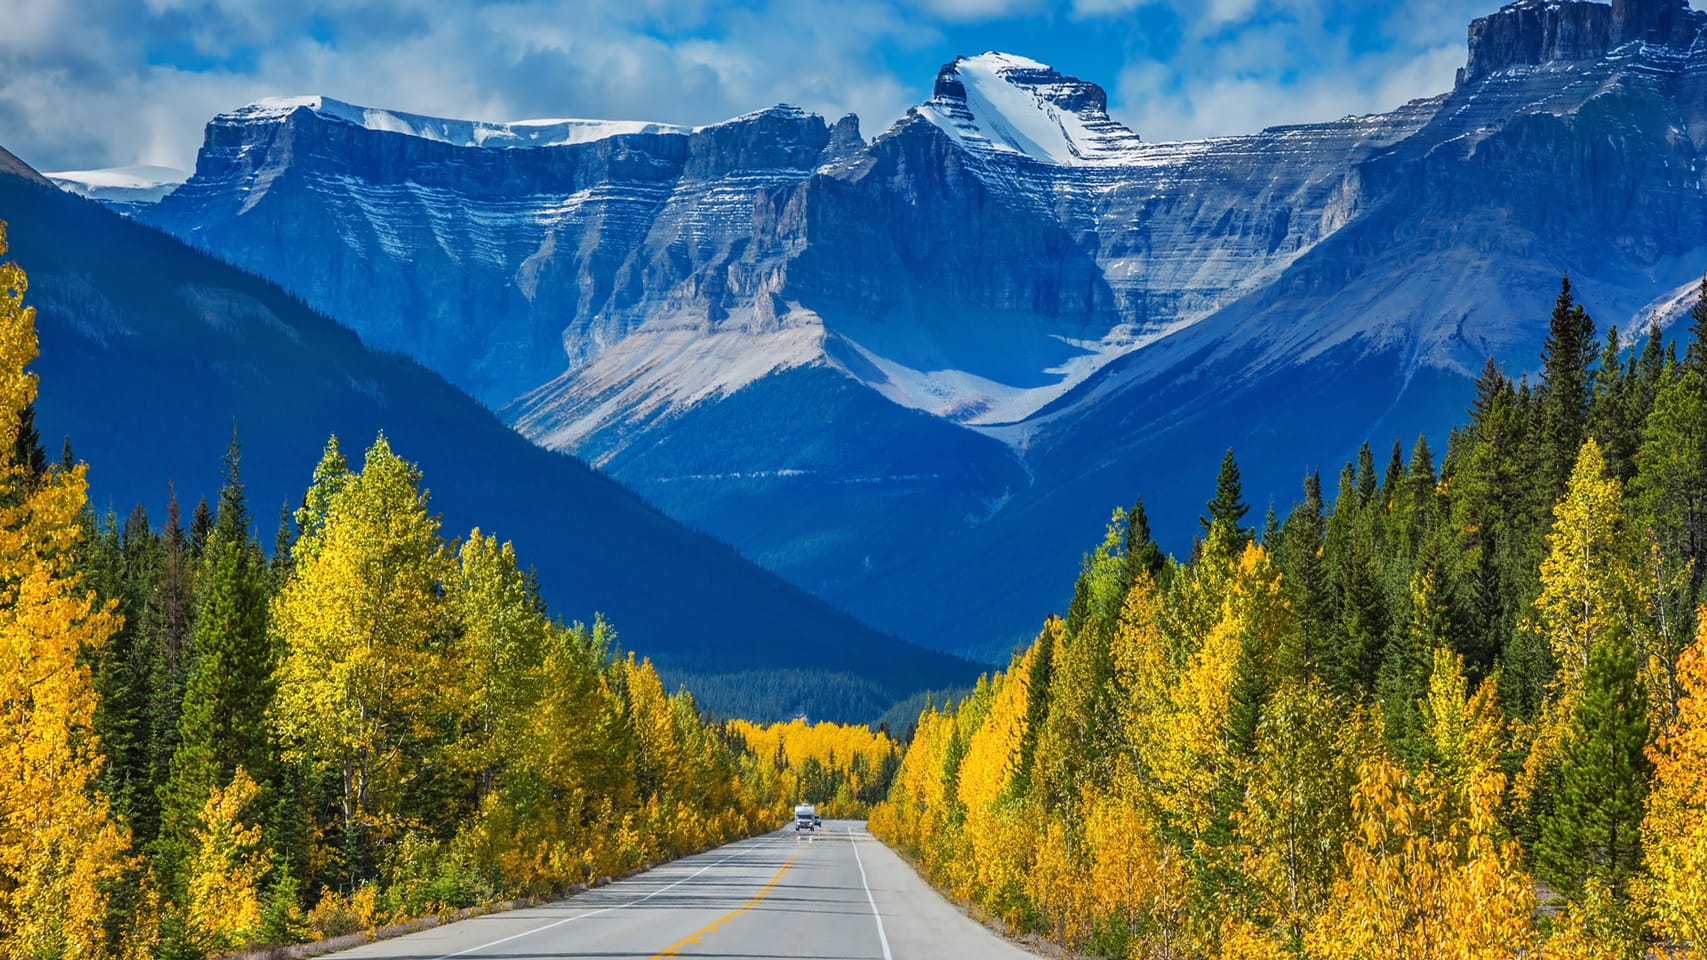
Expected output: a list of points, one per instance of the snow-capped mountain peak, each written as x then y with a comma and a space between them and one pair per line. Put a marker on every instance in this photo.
124, 188
1002, 103
462, 133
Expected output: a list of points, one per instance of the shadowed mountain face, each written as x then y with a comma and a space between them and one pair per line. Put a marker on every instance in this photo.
152, 352
915, 374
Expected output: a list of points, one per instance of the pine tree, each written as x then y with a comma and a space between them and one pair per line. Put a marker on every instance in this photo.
1228, 507
279, 566
201, 527
1565, 359
1609, 406
223, 724
1491, 386
1366, 487
165, 646
1305, 578
1395, 473
28, 451
123, 675
1139, 547
1696, 355
1671, 482
1270, 528
1594, 829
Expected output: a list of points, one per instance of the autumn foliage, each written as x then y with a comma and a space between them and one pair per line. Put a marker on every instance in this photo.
208, 749
1453, 712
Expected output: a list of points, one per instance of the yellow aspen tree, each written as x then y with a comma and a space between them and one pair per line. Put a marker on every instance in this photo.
1430, 871
1295, 819
1423, 882
1674, 832
1189, 748
917, 800
1000, 828
1588, 589
59, 845
660, 759
228, 868
1466, 733
992, 753
1595, 926
362, 621
1137, 879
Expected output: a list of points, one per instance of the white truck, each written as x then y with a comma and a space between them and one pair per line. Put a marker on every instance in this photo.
805, 818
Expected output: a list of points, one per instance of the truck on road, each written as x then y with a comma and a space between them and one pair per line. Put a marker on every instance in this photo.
805, 818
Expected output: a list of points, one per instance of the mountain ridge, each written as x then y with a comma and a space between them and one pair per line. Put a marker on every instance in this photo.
774, 328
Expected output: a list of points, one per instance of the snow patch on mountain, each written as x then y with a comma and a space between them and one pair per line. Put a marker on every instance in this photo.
979, 401
462, 133
1002, 103
124, 185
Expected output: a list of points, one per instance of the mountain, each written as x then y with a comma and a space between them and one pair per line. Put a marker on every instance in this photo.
152, 353
125, 189
914, 374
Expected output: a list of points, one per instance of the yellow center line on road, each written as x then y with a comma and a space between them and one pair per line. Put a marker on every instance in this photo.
720, 921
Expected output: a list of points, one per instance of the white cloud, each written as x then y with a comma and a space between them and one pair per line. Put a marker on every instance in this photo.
77, 88
1242, 65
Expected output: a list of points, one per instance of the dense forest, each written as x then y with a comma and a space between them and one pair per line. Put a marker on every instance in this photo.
210, 747
1457, 710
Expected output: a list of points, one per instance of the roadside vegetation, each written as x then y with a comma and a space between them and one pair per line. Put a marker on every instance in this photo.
208, 747
1454, 707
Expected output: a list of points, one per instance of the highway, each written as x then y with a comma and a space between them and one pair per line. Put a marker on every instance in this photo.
836, 895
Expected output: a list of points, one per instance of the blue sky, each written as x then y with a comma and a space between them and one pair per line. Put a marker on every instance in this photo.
92, 83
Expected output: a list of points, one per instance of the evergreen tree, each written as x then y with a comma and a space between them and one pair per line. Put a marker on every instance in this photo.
1395, 473
123, 674
1491, 386
1565, 359
1366, 487
166, 646
223, 725
1305, 578
1696, 355
1228, 507
1671, 484
1594, 830
201, 527
279, 566
28, 451
1139, 547
1608, 408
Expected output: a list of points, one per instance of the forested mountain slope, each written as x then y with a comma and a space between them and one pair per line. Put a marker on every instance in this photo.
154, 353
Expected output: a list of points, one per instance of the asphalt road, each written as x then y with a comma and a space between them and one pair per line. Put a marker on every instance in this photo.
836, 895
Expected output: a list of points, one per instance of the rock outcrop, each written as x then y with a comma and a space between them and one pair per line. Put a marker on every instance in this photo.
1536, 32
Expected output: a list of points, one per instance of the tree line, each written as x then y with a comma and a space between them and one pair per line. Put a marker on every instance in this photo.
1457, 709
208, 747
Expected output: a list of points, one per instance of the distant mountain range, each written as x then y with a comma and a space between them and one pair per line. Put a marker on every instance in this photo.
914, 374
152, 353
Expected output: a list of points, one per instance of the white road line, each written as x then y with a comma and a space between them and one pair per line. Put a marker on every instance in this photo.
882, 937
593, 913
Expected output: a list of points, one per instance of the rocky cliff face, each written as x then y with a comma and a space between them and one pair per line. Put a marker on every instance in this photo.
490, 262
1535, 32
954, 347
